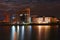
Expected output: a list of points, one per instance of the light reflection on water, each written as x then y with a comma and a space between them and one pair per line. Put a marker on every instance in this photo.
36, 32
22, 33
17, 32
12, 33
43, 30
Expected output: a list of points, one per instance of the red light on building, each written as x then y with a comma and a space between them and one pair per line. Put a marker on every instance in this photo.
6, 15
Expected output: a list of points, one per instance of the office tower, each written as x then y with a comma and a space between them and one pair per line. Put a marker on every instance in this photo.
23, 15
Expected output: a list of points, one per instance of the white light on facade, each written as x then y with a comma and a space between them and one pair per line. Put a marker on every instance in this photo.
42, 20
21, 14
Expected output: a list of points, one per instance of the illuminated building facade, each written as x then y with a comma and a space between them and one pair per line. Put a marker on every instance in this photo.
43, 19
23, 16
6, 17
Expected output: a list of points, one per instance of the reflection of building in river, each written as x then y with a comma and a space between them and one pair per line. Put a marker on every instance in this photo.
40, 32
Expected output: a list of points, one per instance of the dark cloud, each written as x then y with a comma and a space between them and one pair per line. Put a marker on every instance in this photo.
38, 7
28, 1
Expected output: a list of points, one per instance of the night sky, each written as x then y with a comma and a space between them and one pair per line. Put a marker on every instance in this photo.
39, 7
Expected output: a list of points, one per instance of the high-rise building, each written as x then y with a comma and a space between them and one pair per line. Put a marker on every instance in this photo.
23, 16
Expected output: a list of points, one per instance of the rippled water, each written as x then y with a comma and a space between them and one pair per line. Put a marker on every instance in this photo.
30, 32
36, 32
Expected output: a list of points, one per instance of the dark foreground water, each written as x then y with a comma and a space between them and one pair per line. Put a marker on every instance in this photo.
30, 32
